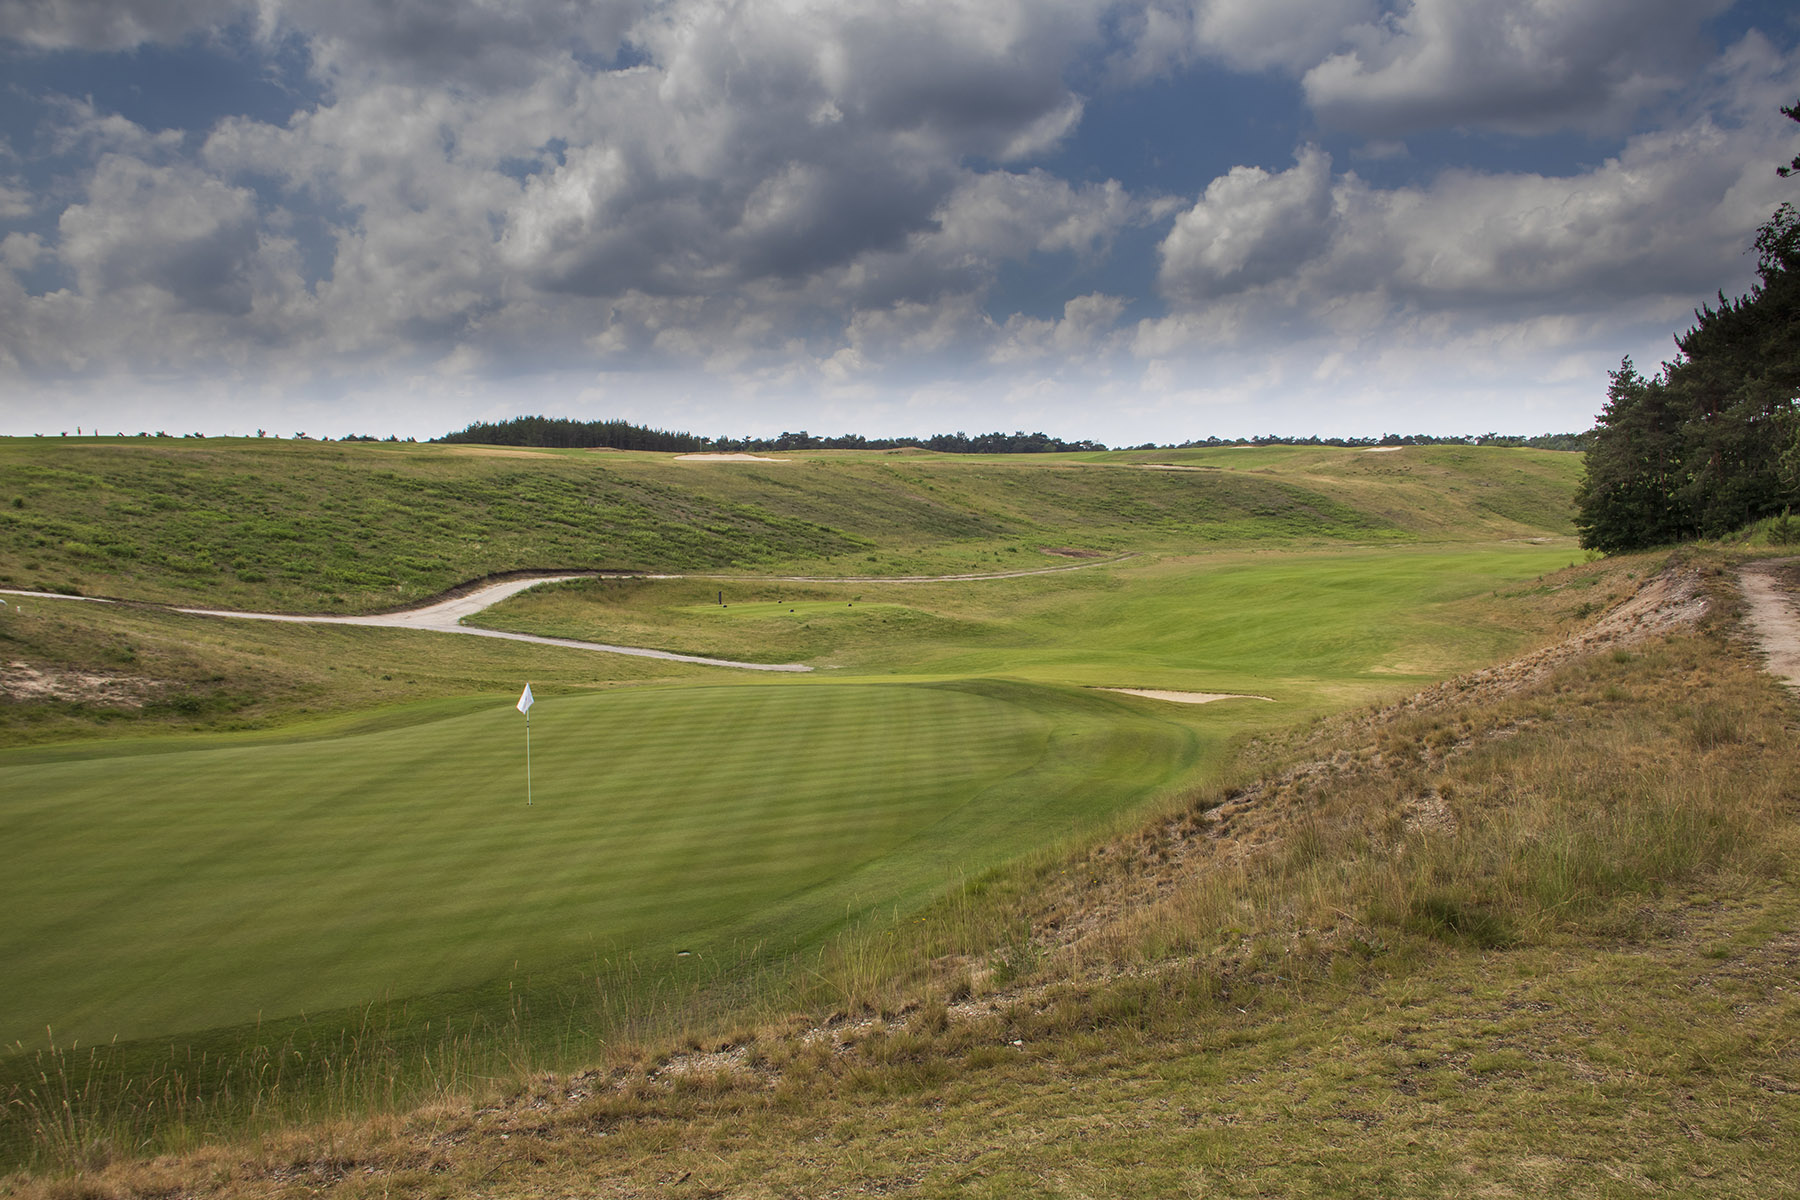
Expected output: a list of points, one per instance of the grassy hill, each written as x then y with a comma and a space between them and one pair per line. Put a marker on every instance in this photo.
354, 527
345, 527
283, 872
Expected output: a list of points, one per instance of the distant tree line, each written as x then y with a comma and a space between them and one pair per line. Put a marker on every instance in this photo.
563, 433
1711, 442
1542, 441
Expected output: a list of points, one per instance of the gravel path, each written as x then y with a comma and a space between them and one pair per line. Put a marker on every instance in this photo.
1773, 619
446, 616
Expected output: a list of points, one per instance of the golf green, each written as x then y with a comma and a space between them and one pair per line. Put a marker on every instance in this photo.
176, 892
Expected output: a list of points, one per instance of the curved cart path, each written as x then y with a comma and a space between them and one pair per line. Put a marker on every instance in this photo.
1773, 619
446, 616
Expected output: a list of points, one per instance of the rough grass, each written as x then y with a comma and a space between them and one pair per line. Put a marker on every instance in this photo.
1432, 490
1517, 940
303, 526
84, 672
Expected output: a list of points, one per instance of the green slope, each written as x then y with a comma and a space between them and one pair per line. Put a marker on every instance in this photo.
1294, 626
307, 526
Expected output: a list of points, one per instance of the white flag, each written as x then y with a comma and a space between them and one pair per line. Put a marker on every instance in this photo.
524, 704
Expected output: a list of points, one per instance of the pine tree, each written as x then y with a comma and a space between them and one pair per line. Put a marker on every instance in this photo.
1629, 496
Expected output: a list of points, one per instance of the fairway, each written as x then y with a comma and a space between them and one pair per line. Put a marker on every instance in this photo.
177, 892
1308, 627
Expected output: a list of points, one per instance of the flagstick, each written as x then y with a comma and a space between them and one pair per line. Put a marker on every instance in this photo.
524, 706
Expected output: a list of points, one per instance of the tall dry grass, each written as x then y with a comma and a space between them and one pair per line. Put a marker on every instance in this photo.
1564, 809
1561, 808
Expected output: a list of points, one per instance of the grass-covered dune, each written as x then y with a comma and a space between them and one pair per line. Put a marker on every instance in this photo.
347, 527
278, 872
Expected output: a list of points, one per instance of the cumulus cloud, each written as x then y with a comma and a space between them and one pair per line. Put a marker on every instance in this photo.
822, 194
1647, 231
1249, 35
15, 202
759, 166
1088, 324
478, 45
1387, 68
111, 24
22, 251
1001, 214
171, 229
1249, 228
1518, 65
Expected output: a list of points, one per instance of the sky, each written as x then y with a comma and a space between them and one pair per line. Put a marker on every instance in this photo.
1125, 220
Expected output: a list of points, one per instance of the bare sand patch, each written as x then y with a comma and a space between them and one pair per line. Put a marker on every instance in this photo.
728, 458
22, 681
1187, 697
1381, 449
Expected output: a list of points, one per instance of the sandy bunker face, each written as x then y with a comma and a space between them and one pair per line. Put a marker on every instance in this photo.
1186, 697
728, 458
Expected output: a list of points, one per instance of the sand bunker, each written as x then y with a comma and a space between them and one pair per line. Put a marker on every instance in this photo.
1381, 449
727, 458
1186, 697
